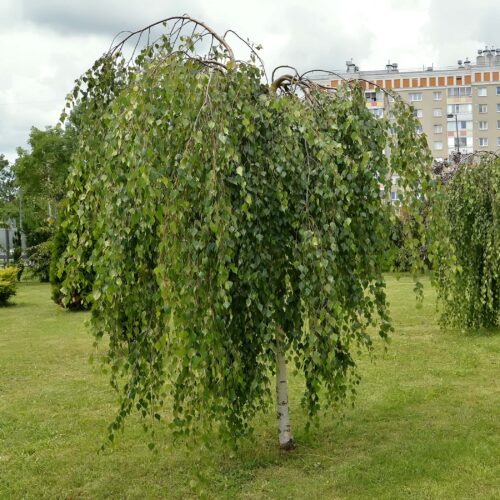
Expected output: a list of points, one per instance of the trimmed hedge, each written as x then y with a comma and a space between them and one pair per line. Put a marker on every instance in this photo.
8, 282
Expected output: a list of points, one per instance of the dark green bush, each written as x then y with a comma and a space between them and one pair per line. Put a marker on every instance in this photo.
18, 251
39, 235
401, 259
77, 298
39, 260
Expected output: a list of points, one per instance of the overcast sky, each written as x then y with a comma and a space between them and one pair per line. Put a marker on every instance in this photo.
46, 44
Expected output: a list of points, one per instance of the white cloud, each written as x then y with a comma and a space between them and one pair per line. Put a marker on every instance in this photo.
458, 29
46, 44
41, 69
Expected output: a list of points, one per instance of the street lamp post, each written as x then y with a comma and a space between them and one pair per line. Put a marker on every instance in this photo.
22, 239
457, 139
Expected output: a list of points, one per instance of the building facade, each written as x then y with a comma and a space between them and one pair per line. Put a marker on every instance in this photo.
8, 234
458, 107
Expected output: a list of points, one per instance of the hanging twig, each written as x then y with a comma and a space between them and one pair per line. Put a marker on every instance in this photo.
183, 20
252, 50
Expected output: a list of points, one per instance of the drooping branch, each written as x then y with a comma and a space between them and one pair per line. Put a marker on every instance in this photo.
327, 72
283, 81
302, 78
289, 83
447, 169
250, 46
284, 66
183, 20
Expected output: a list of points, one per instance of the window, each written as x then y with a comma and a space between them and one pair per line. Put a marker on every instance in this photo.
437, 112
394, 196
438, 129
437, 96
498, 90
415, 96
418, 113
419, 129
483, 108
460, 108
483, 141
483, 125
452, 142
482, 92
461, 125
438, 145
371, 96
378, 112
459, 91
498, 108
498, 141
498, 124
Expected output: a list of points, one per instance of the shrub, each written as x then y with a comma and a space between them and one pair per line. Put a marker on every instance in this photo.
39, 259
76, 298
39, 235
8, 281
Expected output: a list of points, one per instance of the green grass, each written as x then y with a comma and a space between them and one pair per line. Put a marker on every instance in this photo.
426, 423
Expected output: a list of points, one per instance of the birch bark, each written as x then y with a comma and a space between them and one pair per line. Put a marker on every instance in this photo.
284, 427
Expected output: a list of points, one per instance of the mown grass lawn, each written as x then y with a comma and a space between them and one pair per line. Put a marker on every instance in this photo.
426, 423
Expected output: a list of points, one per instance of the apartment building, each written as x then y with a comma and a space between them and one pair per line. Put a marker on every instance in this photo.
458, 107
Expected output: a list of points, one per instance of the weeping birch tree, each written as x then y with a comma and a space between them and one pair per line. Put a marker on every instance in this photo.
234, 226
469, 288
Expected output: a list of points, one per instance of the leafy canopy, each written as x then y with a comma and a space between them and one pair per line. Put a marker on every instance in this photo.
41, 172
216, 211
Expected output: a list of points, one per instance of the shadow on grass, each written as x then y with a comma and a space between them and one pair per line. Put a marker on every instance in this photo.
8, 304
483, 332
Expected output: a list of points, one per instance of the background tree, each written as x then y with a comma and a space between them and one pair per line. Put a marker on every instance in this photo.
7, 191
470, 288
9, 209
233, 226
41, 172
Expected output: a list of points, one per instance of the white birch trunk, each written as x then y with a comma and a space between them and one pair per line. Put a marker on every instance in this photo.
284, 427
